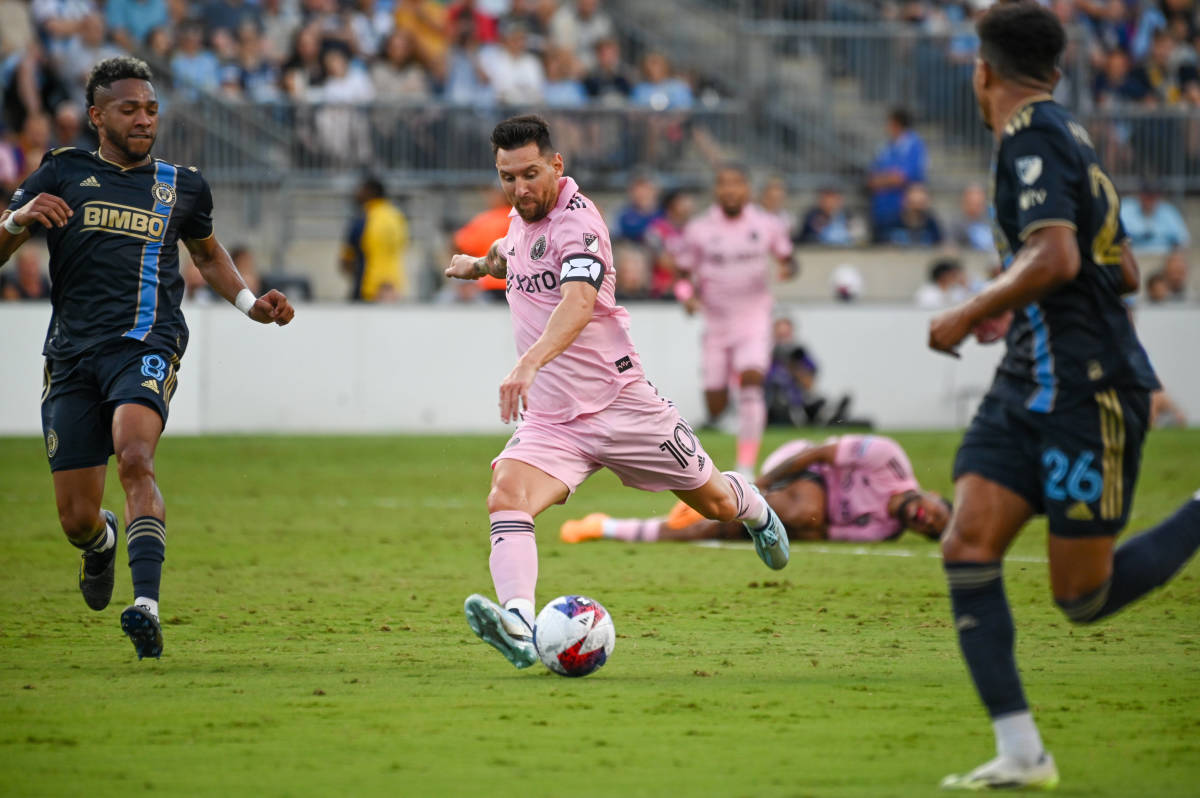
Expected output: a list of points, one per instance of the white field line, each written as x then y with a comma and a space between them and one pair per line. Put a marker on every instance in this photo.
880, 550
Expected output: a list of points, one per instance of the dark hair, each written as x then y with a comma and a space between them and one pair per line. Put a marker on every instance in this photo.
373, 187
941, 268
1021, 40
110, 70
901, 117
517, 131
671, 197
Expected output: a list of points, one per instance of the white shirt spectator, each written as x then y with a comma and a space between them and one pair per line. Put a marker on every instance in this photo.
516, 78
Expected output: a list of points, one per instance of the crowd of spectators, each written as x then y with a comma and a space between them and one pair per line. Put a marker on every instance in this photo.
328, 55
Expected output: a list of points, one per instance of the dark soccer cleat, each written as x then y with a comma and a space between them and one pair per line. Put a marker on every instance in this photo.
143, 630
96, 571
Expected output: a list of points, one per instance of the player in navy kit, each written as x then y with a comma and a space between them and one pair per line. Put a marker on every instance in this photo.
1061, 429
113, 220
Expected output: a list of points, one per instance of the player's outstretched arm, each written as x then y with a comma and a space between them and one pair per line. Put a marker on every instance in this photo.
1049, 259
825, 453
464, 267
44, 209
573, 313
218, 271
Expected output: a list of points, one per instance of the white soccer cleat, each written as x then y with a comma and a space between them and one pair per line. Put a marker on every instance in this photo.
502, 629
1004, 773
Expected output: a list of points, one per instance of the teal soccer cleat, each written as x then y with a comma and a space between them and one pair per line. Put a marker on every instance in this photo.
506, 631
770, 540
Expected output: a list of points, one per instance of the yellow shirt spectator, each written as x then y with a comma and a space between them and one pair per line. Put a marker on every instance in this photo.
373, 252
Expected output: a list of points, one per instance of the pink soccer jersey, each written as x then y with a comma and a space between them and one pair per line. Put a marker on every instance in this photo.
867, 471
570, 243
730, 262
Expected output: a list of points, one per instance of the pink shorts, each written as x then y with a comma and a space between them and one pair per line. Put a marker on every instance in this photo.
640, 437
732, 350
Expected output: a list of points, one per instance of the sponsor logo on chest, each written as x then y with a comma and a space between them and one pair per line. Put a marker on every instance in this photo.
534, 283
111, 217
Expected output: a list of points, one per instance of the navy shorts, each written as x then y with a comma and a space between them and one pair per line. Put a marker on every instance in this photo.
1077, 466
79, 396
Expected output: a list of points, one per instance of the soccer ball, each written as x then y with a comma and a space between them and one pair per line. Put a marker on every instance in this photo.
574, 635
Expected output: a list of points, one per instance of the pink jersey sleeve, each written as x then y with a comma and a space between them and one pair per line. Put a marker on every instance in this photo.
686, 252
781, 240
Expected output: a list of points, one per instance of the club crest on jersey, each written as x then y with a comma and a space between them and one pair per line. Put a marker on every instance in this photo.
51, 444
163, 193
592, 242
538, 249
1029, 169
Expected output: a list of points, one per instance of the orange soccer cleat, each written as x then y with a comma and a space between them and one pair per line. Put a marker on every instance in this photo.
681, 515
590, 527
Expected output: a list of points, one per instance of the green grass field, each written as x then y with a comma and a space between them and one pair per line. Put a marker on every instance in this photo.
315, 646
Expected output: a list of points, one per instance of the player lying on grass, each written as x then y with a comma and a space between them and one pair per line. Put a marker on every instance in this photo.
850, 488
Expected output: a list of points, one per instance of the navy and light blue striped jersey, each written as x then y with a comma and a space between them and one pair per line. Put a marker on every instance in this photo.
114, 269
1079, 339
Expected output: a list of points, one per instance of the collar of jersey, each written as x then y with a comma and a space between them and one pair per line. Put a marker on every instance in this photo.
567, 188
1030, 100
118, 166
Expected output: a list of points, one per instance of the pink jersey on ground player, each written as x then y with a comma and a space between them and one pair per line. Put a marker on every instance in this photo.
570, 243
730, 262
866, 472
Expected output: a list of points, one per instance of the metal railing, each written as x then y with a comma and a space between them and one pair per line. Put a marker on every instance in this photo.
441, 144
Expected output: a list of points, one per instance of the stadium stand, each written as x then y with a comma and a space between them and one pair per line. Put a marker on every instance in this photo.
284, 104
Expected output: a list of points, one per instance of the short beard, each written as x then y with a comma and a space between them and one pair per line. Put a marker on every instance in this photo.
734, 212
538, 214
122, 146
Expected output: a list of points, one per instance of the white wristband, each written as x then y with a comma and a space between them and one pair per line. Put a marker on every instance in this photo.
244, 301
11, 226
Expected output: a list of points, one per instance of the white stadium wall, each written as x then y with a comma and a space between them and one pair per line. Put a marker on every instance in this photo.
356, 369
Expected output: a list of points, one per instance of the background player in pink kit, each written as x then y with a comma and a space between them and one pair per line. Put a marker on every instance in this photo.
856, 488
727, 254
577, 388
